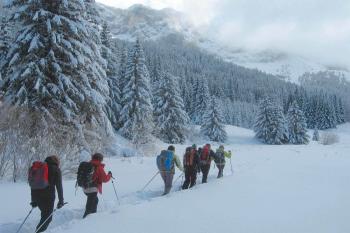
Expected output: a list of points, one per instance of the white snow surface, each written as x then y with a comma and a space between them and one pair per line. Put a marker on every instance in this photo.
296, 189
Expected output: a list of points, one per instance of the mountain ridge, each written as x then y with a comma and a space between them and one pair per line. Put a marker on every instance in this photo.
139, 21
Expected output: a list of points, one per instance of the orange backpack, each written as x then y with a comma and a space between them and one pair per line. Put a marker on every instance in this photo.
189, 156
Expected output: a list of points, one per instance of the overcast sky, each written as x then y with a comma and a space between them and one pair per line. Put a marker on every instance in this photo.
318, 29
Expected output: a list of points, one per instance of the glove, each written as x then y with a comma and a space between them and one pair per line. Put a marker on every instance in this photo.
34, 204
60, 204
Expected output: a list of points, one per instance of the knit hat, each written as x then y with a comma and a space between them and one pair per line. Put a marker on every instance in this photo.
171, 148
97, 156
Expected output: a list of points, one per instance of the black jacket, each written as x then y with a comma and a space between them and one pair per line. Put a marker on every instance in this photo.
55, 182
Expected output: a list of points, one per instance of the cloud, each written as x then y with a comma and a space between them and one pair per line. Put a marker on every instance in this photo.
318, 29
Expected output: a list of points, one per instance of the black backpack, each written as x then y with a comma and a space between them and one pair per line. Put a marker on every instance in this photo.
219, 157
85, 175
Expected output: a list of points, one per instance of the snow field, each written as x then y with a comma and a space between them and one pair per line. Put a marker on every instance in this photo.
296, 189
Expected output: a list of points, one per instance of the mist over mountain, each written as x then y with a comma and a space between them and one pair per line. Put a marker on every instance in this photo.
150, 24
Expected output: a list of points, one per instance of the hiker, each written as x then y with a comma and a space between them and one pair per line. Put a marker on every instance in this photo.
219, 159
165, 163
206, 156
93, 185
51, 177
191, 166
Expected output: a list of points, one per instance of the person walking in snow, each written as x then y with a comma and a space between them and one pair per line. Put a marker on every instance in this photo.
191, 166
165, 162
45, 198
99, 177
219, 159
206, 156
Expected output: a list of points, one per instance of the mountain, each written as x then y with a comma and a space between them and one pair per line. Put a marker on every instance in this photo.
150, 24
146, 23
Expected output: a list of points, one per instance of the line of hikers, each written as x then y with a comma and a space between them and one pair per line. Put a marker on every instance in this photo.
45, 178
194, 161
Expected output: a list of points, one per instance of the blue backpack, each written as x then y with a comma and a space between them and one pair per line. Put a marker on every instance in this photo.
165, 160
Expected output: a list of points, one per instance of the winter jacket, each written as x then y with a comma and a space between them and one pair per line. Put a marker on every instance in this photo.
55, 182
99, 177
220, 156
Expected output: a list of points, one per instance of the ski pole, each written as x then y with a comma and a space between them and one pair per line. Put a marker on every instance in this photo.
39, 227
150, 181
179, 177
115, 191
231, 165
20, 227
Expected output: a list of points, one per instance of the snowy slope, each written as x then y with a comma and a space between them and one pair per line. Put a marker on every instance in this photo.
286, 189
151, 24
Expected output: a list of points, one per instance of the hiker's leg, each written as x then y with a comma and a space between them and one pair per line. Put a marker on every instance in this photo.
91, 203
94, 203
205, 170
187, 178
193, 177
46, 207
169, 182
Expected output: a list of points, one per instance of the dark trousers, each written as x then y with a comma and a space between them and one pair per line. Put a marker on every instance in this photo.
205, 171
221, 170
91, 204
46, 206
190, 177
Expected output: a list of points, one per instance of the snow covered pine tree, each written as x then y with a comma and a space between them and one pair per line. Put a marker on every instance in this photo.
212, 126
297, 125
170, 116
113, 107
270, 126
137, 111
52, 65
201, 101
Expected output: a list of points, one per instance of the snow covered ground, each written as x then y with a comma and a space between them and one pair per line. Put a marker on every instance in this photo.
282, 189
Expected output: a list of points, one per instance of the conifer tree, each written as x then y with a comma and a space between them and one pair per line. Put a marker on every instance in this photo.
270, 126
137, 109
5, 40
169, 114
213, 126
201, 100
113, 107
341, 116
297, 125
53, 63
122, 70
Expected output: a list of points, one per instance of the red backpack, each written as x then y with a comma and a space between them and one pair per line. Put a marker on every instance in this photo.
38, 175
205, 154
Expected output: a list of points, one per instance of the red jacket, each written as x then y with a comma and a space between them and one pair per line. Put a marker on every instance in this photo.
100, 175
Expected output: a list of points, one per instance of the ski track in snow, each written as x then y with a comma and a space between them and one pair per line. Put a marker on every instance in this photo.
69, 217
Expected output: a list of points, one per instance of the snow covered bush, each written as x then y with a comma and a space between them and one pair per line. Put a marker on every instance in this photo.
270, 126
213, 126
329, 138
316, 135
26, 137
297, 130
